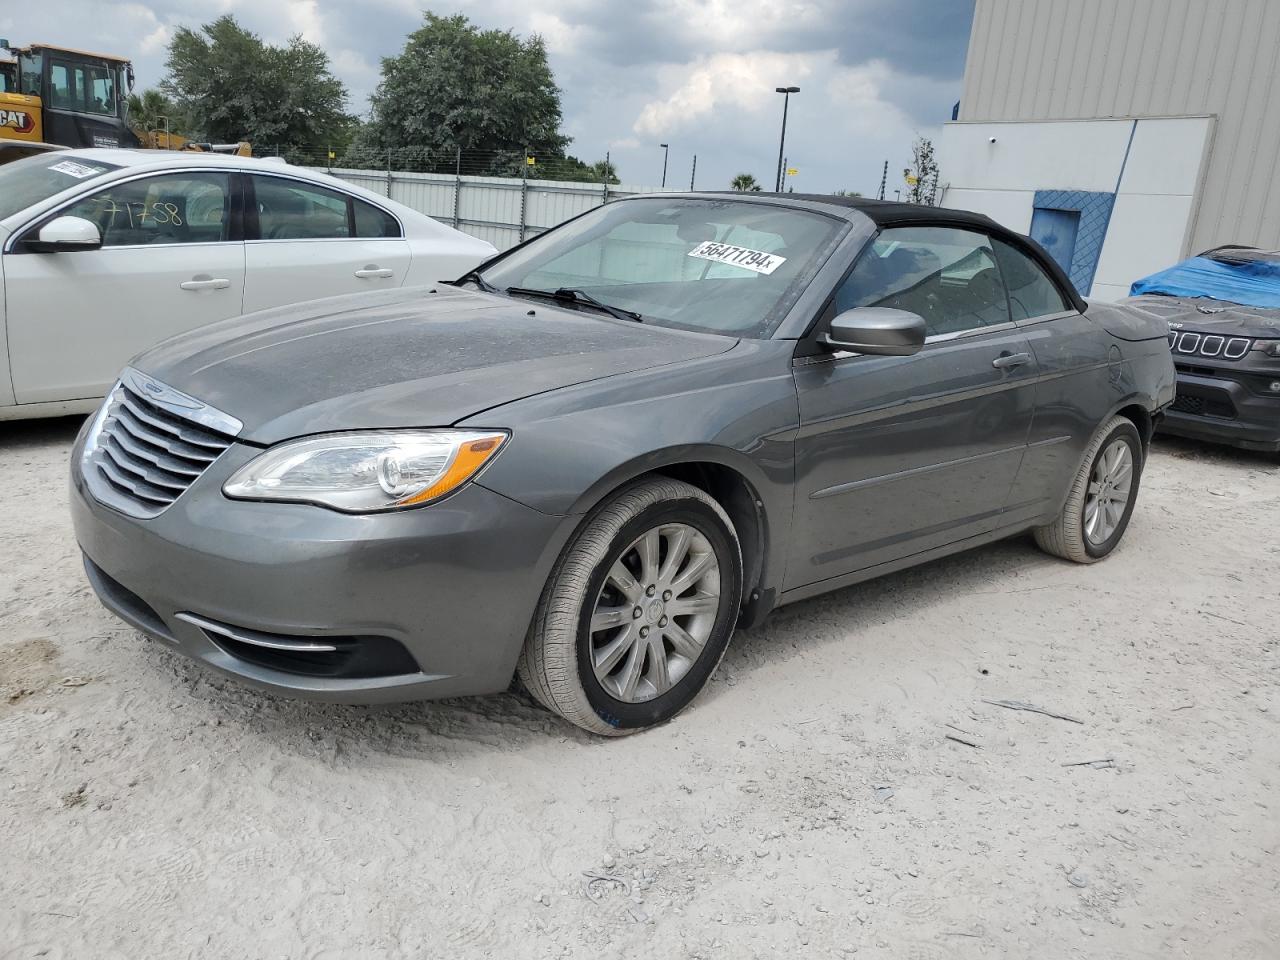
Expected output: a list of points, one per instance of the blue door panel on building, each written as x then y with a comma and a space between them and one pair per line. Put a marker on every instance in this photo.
1055, 230
1072, 225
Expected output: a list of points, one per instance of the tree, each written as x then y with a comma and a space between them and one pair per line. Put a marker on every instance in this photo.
233, 87
922, 176
846, 193
745, 183
488, 93
152, 110
571, 168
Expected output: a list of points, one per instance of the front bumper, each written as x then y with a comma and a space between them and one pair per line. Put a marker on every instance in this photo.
1226, 404
432, 602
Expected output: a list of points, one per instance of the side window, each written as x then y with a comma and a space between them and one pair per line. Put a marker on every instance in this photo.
945, 275
1031, 292
175, 208
101, 92
60, 80
372, 222
291, 210
29, 67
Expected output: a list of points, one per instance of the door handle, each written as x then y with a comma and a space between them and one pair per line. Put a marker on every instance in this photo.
374, 271
205, 283
1006, 360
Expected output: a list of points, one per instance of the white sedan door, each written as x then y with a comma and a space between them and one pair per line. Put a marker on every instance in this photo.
311, 241
166, 265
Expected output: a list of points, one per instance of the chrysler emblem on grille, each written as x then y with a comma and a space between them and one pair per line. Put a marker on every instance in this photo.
179, 403
162, 394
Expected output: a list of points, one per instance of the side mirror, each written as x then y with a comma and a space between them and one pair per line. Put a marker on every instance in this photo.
877, 330
65, 235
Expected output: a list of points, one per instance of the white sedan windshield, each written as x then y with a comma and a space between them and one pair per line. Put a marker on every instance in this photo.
723, 266
32, 179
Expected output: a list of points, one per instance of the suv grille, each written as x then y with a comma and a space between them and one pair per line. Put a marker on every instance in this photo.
141, 457
1206, 406
1191, 343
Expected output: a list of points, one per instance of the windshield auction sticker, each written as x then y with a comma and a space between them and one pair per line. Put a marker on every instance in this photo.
756, 261
77, 170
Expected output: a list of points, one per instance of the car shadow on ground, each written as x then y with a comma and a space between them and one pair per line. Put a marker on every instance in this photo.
1185, 448
16, 434
513, 720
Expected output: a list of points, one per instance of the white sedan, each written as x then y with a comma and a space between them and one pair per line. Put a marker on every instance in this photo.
106, 252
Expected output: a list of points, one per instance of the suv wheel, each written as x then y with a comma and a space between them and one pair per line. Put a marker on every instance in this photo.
638, 610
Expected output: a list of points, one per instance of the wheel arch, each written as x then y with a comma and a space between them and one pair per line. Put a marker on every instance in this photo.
732, 481
1141, 417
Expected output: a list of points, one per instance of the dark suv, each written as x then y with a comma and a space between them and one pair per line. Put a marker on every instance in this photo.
1227, 353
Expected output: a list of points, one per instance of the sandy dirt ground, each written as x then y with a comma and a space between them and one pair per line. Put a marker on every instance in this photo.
810, 804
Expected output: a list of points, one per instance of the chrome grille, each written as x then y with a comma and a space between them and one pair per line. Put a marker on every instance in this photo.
141, 454
1192, 344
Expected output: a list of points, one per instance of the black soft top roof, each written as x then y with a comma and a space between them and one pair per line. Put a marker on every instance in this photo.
888, 213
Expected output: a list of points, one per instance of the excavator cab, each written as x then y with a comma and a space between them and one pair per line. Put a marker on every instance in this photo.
66, 97
8, 73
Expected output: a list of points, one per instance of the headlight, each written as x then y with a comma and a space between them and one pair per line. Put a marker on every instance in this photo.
363, 471
1270, 348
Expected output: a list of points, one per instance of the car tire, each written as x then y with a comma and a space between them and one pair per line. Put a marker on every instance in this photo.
1093, 521
577, 671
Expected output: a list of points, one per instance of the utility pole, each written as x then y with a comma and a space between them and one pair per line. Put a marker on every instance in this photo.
665, 151
782, 142
694, 172
884, 179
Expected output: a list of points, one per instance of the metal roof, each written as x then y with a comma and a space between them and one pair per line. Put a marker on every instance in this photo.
114, 58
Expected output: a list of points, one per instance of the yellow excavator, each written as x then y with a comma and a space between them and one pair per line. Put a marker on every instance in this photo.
55, 97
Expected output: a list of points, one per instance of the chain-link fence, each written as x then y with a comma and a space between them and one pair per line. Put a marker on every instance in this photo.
499, 196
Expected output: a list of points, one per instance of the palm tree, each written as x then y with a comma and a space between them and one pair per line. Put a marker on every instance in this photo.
152, 110
745, 183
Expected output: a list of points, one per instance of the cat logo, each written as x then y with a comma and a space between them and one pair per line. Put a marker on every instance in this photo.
19, 120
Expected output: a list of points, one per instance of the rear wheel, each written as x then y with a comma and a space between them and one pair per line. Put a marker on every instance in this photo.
1102, 496
638, 611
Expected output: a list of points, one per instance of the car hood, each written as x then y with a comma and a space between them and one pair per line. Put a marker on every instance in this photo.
405, 358
1207, 315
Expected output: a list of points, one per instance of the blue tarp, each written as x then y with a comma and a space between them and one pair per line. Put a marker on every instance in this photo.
1255, 284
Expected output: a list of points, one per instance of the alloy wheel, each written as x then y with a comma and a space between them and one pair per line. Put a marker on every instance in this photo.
1110, 487
655, 612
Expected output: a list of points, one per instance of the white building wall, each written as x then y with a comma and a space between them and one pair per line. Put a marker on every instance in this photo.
1037, 60
1152, 166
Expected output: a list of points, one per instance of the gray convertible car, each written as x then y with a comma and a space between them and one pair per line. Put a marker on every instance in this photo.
587, 462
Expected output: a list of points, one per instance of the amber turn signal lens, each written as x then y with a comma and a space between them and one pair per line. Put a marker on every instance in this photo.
472, 455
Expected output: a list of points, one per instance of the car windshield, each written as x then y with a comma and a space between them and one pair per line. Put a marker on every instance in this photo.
716, 265
37, 178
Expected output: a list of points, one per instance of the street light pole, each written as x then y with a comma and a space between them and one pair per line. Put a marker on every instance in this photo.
782, 141
665, 151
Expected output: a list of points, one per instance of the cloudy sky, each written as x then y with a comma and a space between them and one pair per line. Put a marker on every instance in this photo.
697, 74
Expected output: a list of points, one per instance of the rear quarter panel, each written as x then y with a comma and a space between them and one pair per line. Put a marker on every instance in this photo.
1086, 375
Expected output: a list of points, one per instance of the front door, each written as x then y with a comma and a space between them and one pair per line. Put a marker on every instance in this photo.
899, 455
167, 265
